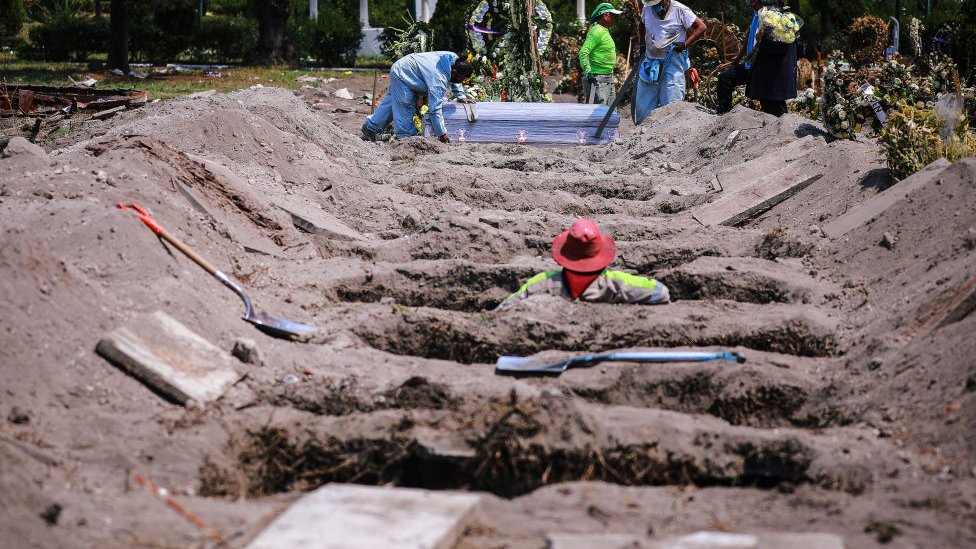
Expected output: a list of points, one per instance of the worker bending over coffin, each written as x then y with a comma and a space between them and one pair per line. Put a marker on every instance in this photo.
669, 29
584, 254
434, 73
598, 57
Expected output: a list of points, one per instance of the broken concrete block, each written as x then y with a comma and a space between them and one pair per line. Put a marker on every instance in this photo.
26, 154
738, 206
314, 220
800, 541
882, 201
590, 541
342, 516
709, 540
745, 174
170, 358
246, 350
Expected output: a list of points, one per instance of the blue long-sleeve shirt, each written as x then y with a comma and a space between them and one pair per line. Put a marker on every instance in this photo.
430, 73
751, 39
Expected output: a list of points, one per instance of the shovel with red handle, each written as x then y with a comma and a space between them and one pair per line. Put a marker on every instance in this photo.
268, 324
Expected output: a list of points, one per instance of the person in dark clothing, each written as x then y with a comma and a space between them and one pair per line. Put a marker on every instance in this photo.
772, 79
738, 75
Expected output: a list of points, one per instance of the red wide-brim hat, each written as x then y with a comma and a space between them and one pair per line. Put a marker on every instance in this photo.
584, 255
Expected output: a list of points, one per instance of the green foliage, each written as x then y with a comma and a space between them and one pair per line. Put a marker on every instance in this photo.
417, 37
332, 40
65, 37
229, 7
43, 11
164, 32
12, 15
390, 13
914, 138
227, 37
448, 23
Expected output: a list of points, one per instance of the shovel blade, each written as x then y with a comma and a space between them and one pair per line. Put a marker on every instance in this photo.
281, 328
529, 365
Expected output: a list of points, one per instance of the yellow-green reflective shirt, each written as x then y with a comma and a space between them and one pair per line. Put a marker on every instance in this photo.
609, 287
598, 54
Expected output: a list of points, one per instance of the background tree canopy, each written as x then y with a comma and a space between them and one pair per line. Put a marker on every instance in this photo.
171, 30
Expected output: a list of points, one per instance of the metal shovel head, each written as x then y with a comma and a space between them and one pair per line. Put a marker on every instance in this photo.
278, 327
549, 363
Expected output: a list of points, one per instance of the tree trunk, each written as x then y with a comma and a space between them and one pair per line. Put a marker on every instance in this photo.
272, 24
118, 40
98, 8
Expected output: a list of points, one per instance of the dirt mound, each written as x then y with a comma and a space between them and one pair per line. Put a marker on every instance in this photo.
399, 253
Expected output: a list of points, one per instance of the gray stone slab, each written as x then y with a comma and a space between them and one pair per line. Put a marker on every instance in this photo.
742, 175
593, 541
26, 154
708, 540
726, 540
800, 541
311, 219
736, 207
365, 517
170, 358
881, 202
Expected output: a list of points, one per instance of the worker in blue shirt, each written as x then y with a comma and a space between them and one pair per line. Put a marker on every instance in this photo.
434, 73
738, 75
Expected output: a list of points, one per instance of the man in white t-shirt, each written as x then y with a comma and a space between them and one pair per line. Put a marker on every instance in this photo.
669, 28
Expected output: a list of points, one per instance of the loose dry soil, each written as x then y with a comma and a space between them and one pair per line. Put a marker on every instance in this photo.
854, 413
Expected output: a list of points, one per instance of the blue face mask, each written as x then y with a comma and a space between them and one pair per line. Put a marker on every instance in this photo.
658, 9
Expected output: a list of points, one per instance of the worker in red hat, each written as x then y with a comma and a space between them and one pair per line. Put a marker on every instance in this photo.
585, 253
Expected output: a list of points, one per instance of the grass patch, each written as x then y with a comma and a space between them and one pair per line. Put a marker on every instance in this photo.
158, 86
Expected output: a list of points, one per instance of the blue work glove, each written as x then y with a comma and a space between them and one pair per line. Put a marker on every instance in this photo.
590, 77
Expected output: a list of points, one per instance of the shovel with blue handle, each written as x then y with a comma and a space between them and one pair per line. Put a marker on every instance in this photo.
514, 365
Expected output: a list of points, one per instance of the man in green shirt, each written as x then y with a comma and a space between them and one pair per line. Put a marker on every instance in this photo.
598, 56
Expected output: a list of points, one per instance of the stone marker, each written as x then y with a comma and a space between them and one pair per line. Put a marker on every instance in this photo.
879, 203
170, 358
343, 516
736, 207
708, 540
28, 155
594, 541
745, 174
800, 541
314, 220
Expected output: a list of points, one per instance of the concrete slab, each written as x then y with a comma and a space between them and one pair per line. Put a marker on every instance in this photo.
591, 541
170, 358
742, 175
365, 517
736, 207
800, 541
309, 218
877, 205
708, 540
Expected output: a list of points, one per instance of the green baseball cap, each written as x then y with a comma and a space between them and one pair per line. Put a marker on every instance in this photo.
604, 8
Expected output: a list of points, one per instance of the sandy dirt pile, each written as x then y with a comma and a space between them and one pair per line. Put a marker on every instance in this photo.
852, 415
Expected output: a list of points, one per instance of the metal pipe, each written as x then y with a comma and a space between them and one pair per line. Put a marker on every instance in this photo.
581, 11
313, 9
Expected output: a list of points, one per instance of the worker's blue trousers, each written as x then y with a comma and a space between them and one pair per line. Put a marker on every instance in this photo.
669, 87
399, 106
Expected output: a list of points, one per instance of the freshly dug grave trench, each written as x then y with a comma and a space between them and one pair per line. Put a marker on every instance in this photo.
510, 447
344, 397
464, 287
483, 337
